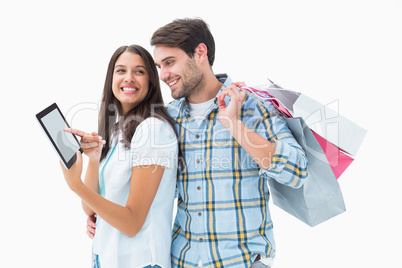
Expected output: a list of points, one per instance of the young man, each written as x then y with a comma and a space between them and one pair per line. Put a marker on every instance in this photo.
232, 145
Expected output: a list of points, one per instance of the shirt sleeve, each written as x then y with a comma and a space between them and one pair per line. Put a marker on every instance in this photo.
154, 143
289, 162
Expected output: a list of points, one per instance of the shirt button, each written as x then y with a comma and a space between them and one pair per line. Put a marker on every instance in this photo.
199, 214
199, 188
201, 239
197, 136
198, 161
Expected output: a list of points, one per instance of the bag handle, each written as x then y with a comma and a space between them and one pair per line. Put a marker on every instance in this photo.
263, 95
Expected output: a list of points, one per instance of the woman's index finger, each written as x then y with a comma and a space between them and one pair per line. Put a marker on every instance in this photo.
76, 132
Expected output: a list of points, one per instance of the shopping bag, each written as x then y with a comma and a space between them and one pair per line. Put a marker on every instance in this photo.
320, 197
322, 119
264, 95
284, 101
337, 159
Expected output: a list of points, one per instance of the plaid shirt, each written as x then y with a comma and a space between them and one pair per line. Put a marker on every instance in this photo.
223, 217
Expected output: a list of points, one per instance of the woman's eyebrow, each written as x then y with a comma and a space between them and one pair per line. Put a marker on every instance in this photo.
120, 65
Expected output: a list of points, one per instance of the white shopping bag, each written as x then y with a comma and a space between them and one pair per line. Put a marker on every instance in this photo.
323, 119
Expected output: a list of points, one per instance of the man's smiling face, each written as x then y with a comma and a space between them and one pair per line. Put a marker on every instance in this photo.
181, 73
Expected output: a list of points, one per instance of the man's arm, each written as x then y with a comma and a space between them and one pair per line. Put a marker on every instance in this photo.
91, 226
271, 145
259, 148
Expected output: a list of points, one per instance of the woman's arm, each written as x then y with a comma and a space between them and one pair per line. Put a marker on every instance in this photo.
130, 218
92, 182
91, 144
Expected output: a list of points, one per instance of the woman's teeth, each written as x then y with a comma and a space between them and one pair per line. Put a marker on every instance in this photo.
129, 89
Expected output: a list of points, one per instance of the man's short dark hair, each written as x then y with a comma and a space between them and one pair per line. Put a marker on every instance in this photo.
186, 34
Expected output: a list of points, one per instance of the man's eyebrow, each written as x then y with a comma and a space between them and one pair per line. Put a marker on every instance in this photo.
167, 58
163, 60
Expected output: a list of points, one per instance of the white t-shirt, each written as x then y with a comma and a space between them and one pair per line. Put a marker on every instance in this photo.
199, 110
154, 142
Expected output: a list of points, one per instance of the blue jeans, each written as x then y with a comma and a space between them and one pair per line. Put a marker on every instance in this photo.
96, 263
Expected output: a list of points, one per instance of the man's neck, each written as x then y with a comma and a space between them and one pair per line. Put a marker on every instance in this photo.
209, 91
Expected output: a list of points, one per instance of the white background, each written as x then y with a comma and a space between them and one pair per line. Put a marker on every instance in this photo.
346, 51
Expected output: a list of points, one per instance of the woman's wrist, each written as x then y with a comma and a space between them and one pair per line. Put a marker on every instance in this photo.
93, 161
75, 185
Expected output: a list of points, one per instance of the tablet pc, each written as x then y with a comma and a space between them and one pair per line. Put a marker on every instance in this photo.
53, 124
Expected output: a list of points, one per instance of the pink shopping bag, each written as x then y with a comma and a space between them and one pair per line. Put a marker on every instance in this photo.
338, 160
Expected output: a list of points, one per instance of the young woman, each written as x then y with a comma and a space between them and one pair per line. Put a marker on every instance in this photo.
131, 175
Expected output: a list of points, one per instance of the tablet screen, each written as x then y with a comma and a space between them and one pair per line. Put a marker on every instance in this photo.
65, 144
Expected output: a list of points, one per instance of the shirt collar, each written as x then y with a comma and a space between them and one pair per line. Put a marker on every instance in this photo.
182, 104
223, 78
226, 80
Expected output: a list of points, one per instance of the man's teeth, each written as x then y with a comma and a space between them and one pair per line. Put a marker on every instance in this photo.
173, 83
130, 89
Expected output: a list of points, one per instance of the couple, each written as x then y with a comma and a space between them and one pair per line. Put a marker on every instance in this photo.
231, 144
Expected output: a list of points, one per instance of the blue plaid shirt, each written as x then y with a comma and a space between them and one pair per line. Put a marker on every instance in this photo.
223, 217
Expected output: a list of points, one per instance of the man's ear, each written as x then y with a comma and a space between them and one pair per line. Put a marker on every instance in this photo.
201, 53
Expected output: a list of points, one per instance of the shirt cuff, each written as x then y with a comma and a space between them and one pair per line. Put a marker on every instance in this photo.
279, 158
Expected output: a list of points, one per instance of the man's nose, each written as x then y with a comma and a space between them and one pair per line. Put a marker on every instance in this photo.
163, 74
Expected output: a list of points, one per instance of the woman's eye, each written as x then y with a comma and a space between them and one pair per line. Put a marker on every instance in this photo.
120, 71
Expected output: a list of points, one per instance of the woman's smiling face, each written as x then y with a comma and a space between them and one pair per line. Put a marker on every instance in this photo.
130, 80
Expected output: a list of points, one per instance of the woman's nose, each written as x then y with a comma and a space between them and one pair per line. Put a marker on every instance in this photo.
129, 78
